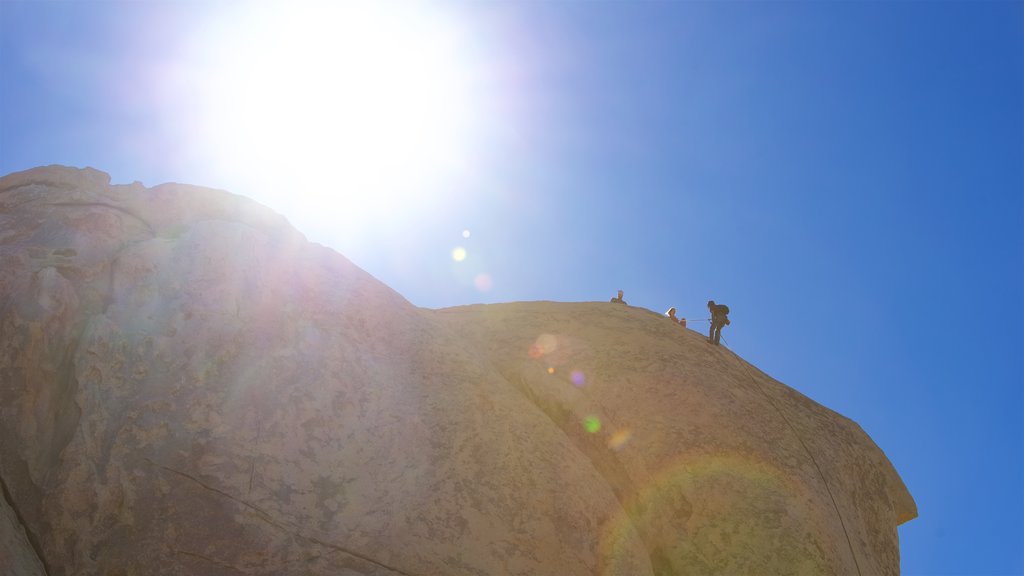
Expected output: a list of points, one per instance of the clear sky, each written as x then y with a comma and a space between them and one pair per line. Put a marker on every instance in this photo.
848, 176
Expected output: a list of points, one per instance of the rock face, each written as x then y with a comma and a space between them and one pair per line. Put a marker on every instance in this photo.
188, 386
17, 558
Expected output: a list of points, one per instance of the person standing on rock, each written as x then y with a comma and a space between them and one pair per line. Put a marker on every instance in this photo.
619, 298
719, 318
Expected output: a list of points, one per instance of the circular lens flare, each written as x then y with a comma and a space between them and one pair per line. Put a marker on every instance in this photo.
619, 439
483, 282
544, 344
577, 377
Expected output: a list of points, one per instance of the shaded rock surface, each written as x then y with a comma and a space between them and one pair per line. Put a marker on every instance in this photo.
188, 386
17, 557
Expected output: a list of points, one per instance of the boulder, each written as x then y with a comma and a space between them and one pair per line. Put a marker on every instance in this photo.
188, 386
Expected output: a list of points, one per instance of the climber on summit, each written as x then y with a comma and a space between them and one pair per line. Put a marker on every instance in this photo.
619, 298
672, 314
719, 318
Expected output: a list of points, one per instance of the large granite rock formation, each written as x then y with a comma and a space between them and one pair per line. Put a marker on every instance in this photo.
188, 386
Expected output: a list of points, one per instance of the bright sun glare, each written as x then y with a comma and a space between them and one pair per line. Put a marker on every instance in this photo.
344, 107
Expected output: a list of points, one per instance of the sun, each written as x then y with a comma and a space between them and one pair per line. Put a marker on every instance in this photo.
343, 109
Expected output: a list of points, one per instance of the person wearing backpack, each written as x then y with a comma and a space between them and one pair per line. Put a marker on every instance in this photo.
719, 318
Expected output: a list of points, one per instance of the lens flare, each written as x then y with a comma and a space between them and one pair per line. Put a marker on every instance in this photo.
483, 282
619, 439
577, 378
544, 344
592, 424
551, 369
459, 254
465, 233
692, 478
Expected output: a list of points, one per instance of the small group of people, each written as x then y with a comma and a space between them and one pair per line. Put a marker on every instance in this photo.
672, 316
719, 317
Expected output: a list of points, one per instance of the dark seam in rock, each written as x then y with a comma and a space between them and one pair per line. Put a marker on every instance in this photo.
263, 515
110, 206
68, 387
213, 561
294, 531
32, 540
252, 463
10, 207
269, 230
814, 460
620, 488
50, 183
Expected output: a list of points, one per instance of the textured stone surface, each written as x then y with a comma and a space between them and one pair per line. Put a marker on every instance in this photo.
190, 387
17, 558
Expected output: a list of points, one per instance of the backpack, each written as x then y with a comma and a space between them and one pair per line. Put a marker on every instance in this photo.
724, 311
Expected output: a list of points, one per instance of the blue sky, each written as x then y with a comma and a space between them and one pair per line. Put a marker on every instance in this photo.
847, 176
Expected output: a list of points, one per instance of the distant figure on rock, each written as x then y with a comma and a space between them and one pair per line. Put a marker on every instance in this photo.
619, 298
672, 316
719, 318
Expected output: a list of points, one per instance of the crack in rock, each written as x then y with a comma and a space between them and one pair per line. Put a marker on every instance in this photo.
287, 528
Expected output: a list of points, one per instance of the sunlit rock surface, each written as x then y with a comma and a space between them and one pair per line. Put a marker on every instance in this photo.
190, 387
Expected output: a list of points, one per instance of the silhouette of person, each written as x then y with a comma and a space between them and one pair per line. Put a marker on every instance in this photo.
719, 318
619, 298
672, 314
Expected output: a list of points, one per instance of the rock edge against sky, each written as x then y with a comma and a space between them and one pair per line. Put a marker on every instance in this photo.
189, 386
